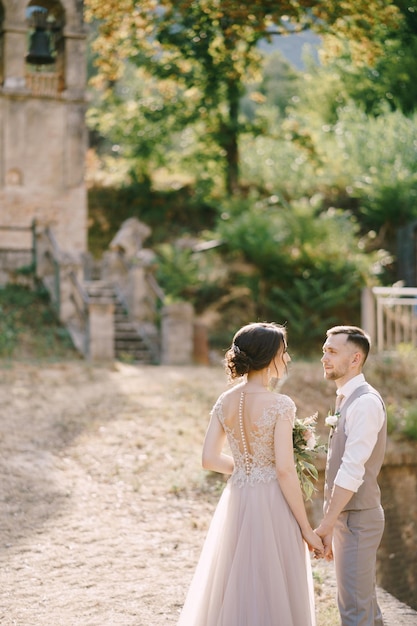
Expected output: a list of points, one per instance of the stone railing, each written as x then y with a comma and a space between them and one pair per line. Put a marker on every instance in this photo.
133, 280
168, 325
88, 317
87, 308
44, 83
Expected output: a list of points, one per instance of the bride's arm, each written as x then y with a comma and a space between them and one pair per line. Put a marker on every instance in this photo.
213, 458
289, 483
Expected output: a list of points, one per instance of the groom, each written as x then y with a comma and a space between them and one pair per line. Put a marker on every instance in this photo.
353, 520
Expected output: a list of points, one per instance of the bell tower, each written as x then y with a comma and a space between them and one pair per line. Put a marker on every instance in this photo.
42, 127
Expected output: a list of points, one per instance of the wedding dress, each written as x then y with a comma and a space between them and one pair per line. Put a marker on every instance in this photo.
254, 569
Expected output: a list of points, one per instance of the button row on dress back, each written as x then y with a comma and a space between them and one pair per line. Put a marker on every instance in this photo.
242, 434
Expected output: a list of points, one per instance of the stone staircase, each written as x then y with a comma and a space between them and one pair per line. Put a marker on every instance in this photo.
130, 344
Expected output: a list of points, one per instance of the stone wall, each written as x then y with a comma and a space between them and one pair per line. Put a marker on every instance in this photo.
397, 562
43, 134
397, 555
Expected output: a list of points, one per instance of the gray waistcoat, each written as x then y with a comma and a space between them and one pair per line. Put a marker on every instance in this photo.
368, 495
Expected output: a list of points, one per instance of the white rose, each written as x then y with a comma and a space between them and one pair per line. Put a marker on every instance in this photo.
331, 420
311, 441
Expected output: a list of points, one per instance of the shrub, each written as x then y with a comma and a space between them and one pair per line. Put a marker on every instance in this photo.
170, 213
309, 268
410, 423
392, 420
186, 274
29, 327
395, 375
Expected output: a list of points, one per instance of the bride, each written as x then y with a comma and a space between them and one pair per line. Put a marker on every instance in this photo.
254, 569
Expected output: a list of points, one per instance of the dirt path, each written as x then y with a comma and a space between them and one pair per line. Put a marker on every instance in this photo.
93, 531
103, 505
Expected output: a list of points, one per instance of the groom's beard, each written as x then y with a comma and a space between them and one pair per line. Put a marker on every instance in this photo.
335, 373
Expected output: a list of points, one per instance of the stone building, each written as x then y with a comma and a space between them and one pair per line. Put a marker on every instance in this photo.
43, 197
42, 128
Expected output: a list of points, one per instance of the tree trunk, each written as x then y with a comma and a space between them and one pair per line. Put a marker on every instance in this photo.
230, 140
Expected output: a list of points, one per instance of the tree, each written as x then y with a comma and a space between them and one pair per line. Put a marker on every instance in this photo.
209, 49
390, 79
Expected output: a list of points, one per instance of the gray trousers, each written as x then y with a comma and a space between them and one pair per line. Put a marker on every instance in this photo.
357, 535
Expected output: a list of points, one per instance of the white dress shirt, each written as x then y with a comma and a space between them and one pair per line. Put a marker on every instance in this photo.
364, 419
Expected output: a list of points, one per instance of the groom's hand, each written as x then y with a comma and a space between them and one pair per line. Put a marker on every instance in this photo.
326, 535
328, 550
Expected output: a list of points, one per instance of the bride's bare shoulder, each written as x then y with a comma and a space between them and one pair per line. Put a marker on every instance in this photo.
233, 392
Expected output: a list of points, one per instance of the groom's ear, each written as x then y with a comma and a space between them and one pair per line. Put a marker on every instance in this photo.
357, 358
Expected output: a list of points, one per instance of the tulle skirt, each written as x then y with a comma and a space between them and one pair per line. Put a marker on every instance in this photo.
254, 569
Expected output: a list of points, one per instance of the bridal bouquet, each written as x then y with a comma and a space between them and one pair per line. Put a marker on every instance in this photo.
306, 447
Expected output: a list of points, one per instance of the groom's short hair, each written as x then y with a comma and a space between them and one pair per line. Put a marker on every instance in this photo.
355, 335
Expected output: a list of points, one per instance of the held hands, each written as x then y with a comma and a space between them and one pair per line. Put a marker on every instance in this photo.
326, 536
314, 543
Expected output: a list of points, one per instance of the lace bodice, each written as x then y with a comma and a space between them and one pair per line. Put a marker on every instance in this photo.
252, 444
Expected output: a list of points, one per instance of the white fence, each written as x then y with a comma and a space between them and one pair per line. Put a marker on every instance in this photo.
394, 317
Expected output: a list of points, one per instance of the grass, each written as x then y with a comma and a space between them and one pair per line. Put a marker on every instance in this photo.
29, 328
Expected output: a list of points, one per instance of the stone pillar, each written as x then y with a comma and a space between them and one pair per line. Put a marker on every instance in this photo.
15, 45
177, 334
136, 293
368, 312
100, 330
141, 301
201, 344
76, 70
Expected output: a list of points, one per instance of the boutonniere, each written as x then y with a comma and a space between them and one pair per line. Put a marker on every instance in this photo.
332, 419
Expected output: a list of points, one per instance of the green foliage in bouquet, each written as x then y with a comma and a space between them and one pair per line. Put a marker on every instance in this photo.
306, 448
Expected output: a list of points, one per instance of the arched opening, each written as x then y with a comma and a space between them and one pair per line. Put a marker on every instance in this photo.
45, 58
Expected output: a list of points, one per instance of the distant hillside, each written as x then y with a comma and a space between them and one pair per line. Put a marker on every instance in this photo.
294, 47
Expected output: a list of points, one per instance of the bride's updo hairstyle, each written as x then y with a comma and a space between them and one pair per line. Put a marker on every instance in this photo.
254, 347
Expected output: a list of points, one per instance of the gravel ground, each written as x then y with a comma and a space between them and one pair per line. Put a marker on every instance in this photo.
103, 505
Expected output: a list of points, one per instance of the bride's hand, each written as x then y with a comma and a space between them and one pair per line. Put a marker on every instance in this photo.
314, 542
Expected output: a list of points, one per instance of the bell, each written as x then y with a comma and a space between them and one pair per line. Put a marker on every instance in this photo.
39, 51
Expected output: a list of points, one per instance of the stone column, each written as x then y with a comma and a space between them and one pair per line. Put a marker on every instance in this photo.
137, 294
100, 330
15, 48
368, 306
76, 70
141, 300
177, 334
201, 344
